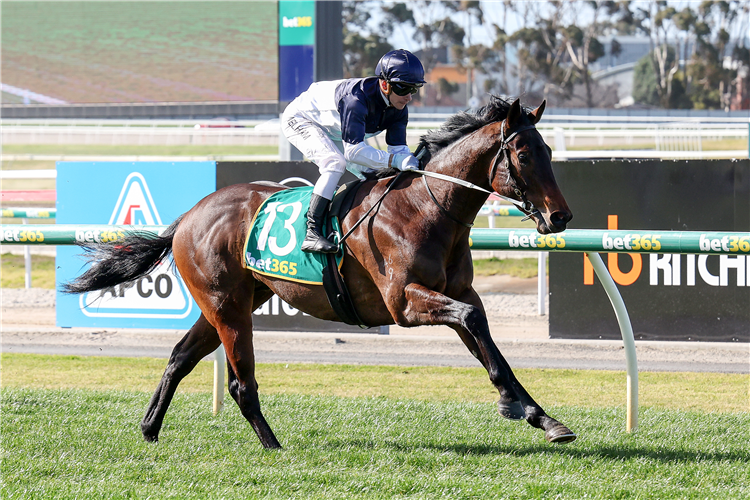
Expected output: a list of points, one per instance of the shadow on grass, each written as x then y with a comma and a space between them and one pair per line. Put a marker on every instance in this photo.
609, 452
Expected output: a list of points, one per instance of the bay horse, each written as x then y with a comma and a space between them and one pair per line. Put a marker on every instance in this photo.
409, 263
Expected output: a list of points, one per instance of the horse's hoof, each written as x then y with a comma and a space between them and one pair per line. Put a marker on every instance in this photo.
511, 411
151, 438
560, 434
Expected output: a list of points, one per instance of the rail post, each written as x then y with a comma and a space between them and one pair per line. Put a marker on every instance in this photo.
626, 329
220, 367
27, 261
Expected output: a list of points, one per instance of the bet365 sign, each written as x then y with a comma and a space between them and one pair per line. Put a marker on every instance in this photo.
130, 194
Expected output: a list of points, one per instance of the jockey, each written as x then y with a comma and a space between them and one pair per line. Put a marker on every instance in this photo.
330, 121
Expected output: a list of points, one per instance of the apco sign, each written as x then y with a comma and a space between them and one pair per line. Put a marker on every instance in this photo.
128, 194
669, 296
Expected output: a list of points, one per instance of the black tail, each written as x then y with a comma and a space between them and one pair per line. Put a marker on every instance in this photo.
127, 260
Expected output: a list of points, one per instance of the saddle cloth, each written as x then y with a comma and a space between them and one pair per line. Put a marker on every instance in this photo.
278, 228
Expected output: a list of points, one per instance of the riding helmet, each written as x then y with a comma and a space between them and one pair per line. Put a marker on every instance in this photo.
400, 66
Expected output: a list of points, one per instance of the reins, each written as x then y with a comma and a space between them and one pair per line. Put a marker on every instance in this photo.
361, 219
504, 150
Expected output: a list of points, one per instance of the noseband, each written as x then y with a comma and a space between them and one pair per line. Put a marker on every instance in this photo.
504, 151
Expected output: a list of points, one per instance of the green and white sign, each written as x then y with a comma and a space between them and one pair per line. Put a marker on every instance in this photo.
296, 23
273, 243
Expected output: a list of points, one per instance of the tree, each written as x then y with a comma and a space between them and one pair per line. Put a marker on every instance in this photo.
706, 75
363, 47
645, 86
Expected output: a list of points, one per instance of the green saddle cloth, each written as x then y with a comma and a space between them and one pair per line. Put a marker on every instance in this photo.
278, 229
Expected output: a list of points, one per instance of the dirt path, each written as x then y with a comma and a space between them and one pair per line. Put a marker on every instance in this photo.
28, 319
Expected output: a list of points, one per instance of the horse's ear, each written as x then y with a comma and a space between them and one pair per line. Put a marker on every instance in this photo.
536, 115
514, 114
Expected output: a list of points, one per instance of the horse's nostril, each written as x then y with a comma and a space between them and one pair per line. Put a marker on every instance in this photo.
560, 218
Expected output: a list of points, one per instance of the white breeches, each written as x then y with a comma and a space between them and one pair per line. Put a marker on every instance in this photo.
313, 142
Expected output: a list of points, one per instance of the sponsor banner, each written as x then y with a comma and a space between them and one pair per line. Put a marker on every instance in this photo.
582, 240
296, 22
126, 194
276, 314
296, 48
670, 295
29, 213
67, 234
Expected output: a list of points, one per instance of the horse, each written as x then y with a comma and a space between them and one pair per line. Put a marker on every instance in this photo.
408, 263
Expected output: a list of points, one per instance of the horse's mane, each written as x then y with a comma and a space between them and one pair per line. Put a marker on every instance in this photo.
463, 123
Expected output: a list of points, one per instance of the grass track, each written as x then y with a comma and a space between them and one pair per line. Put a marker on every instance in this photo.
707, 392
86, 444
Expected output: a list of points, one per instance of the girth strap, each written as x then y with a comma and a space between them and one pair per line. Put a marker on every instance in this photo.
333, 283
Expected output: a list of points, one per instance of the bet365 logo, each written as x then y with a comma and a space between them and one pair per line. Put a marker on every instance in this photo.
160, 294
670, 269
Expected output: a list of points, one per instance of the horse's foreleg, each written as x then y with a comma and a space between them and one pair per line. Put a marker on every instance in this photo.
427, 307
468, 319
199, 341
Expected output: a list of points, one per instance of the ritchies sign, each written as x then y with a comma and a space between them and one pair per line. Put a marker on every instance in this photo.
673, 269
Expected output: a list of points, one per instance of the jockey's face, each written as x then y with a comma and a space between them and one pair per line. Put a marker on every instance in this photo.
397, 101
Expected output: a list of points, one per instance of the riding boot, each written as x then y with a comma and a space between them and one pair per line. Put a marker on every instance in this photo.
314, 239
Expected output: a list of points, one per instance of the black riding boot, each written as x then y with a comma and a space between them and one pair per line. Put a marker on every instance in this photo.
314, 239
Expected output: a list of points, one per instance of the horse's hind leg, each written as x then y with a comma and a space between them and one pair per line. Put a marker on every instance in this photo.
199, 341
234, 325
230, 312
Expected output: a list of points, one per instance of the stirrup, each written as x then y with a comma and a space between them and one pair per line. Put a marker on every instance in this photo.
316, 243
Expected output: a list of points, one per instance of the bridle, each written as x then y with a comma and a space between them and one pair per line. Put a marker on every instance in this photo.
503, 151
513, 176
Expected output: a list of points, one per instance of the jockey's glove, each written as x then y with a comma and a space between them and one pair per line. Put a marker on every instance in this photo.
404, 162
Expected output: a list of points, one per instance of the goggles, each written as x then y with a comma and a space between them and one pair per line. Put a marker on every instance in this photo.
402, 89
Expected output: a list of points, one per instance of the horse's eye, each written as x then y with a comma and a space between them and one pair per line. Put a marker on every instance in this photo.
522, 157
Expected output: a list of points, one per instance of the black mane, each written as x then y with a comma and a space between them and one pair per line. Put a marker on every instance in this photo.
463, 123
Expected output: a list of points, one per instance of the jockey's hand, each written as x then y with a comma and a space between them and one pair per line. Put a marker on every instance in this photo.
405, 162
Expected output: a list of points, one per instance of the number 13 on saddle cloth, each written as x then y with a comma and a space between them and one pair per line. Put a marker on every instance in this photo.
276, 234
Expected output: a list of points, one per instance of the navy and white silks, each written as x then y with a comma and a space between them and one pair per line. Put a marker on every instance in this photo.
330, 121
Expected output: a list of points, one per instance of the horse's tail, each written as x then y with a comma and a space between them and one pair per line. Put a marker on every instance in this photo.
125, 261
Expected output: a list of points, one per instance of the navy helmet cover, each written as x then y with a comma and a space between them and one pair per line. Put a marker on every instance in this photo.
400, 66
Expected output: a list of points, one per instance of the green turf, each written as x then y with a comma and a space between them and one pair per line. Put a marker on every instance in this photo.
123, 51
707, 392
14, 272
87, 444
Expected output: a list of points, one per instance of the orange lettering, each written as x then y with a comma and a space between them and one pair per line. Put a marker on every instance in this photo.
613, 264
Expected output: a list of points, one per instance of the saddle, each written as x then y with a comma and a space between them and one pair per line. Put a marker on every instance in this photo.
333, 283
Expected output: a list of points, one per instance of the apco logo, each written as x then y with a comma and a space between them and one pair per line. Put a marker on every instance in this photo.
668, 269
161, 294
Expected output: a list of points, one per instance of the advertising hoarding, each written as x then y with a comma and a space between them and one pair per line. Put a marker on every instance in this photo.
143, 193
668, 296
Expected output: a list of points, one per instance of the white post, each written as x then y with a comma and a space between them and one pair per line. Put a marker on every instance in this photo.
626, 329
541, 287
220, 362
27, 260
560, 143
